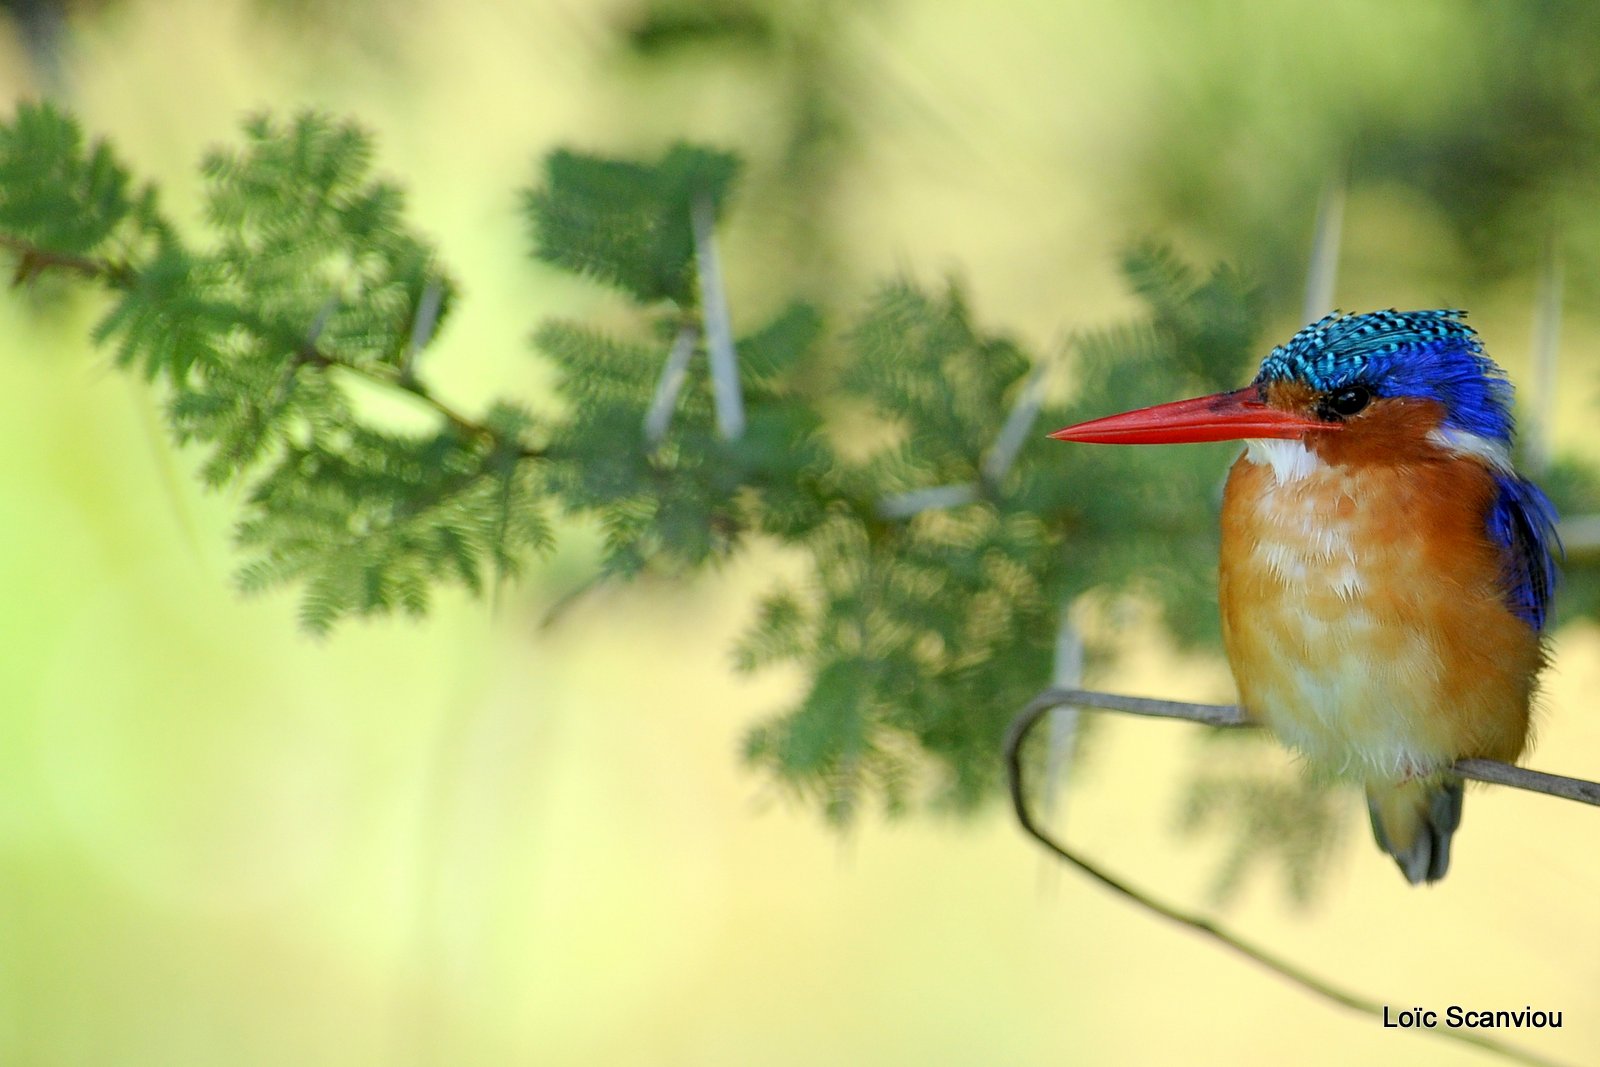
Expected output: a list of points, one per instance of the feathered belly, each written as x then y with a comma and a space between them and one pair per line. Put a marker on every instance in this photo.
1365, 625
1347, 688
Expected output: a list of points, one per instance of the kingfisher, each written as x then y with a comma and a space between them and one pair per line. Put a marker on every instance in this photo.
1385, 575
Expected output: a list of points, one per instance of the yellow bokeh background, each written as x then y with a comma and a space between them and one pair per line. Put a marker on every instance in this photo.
473, 840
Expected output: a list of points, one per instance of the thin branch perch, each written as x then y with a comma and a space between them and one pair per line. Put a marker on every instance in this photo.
1230, 716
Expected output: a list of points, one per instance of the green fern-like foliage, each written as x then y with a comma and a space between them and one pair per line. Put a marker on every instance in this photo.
689, 499
400, 514
71, 199
308, 283
918, 635
625, 223
923, 637
900, 456
1145, 520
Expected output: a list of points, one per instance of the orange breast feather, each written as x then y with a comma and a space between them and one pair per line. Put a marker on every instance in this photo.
1365, 618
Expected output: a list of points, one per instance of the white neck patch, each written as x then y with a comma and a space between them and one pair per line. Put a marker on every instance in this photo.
1289, 459
1462, 443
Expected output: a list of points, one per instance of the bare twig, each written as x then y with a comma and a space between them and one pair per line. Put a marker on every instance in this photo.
1215, 715
1555, 785
1207, 714
1478, 770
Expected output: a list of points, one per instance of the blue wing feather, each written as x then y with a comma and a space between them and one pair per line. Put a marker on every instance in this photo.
1523, 522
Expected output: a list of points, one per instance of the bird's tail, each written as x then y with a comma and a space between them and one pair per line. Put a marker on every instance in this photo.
1414, 822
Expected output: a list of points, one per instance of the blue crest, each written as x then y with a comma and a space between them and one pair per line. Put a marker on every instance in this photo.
1433, 354
1428, 354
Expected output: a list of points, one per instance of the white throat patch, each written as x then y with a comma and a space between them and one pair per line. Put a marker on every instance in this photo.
1289, 459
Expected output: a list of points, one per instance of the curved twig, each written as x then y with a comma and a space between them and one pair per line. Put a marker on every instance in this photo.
1224, 715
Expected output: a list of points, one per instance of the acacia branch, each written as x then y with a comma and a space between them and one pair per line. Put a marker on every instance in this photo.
411, 385
1231, 716
33, 260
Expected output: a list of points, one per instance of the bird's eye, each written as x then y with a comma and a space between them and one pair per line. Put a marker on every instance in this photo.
1345, 402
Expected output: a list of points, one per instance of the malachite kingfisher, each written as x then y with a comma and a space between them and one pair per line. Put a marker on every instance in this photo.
1386, 576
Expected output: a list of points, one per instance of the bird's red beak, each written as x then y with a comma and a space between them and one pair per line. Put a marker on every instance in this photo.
1221, 417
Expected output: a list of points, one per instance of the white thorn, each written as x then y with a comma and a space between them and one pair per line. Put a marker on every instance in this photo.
1322, 274
1063, 739
665, 400
719, 330
905, 505
1546, 345
1024, 410
320, 323
422, 325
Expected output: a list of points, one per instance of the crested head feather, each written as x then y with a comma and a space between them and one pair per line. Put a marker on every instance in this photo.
1432, 355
